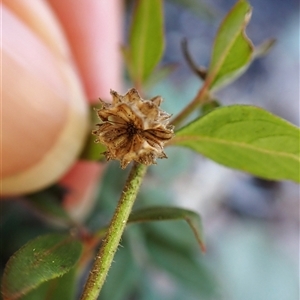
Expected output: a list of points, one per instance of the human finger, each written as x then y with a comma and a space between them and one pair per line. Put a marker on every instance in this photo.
44, 113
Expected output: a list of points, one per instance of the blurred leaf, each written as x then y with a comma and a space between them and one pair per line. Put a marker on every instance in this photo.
48, 203
209, 106
232, 50
146, 40
167, 170
59, 288
18, 226
177, 233
246, 138
92, 150
40, 260
112, 182
197, 7
163, 213
264, 48
188, 271
147, 288
160, 74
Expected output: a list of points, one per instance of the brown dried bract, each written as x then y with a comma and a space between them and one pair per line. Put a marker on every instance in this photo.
133, 129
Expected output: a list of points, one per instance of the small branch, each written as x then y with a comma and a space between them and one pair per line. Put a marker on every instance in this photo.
112, 239
200, 98
198, 70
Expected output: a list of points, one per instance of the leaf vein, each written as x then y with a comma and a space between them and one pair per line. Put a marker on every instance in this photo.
182, 139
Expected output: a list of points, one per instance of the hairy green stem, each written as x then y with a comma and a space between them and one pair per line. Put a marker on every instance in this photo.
112, 239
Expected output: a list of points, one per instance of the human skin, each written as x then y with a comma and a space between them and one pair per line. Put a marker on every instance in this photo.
56, 57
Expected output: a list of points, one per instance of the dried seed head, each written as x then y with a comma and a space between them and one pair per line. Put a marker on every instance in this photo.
133, 129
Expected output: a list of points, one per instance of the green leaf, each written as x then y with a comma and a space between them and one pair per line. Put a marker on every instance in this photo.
63, 287
232, 50
189, 271
146, 39
162, 213
246, 138
93, 150
209, 106
40, 260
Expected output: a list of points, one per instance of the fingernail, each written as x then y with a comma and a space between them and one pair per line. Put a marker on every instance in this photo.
98, 25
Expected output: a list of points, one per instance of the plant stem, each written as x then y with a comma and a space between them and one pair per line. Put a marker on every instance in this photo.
201, 97
112, 239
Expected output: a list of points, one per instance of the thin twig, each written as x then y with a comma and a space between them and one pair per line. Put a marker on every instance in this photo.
198, 70
200, 98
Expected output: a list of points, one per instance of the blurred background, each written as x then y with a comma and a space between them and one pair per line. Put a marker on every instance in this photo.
251, 225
